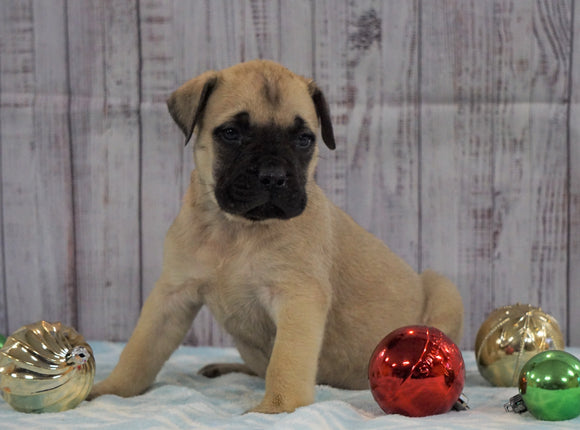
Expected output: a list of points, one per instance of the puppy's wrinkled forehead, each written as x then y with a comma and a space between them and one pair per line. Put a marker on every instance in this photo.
268, 95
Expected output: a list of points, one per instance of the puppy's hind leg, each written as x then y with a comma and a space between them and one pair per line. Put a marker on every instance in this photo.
443, 305
219, 369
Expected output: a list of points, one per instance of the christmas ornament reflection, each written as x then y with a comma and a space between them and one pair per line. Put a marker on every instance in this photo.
509, 337
45, 367
416, 371
549, 386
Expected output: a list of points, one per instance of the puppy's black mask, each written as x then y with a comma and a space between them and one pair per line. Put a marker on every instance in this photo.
261, 170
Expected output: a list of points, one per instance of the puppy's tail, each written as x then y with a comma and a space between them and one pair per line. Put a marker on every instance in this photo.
443, 305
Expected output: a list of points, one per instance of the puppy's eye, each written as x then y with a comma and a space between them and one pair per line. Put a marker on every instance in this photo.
305, 140
230, 134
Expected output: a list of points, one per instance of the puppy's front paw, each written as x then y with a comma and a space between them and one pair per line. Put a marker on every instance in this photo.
278, 403
99, 390
108, 387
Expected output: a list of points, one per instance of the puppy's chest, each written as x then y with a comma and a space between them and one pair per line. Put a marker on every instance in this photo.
239, 288
240, 302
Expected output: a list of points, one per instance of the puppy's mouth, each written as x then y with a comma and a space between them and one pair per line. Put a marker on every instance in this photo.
254, 199
266, 211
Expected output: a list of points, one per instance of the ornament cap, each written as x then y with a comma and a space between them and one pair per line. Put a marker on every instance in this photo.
516, 404
461, 403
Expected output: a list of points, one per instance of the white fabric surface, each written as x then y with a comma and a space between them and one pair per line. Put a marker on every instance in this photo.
182, 399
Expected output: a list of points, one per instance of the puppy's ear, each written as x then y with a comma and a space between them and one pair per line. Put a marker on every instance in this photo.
323, 113
187, 103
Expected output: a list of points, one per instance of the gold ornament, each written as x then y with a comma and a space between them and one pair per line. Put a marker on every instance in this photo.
509, 337
46, 367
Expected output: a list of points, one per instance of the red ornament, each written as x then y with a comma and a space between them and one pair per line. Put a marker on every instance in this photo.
416, 371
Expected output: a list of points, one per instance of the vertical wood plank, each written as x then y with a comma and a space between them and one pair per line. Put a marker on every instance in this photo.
494, 138
574, 187
103, 70
36, 172
162, 142
3, 307
13, 85
530, 179
456, 162
513, 203
297, 36
261, 34
548, 129
224, 25
192, 42
382, 186
396, 215
364, 38
331, 73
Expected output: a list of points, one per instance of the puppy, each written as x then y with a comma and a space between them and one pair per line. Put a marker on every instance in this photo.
282, 269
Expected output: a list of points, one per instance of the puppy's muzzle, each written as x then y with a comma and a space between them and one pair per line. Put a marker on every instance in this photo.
264, 190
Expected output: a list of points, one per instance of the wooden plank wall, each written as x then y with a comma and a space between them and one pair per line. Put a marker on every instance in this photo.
457, 126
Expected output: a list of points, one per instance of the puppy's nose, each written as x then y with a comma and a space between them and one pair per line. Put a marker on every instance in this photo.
273, 176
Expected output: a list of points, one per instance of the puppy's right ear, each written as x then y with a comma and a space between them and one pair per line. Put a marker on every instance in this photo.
186, 104
323, 113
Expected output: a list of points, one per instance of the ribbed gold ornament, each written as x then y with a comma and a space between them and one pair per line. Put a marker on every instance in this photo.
46, 367
509, 337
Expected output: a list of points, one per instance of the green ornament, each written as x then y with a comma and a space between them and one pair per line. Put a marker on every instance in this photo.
549, 385
2, 340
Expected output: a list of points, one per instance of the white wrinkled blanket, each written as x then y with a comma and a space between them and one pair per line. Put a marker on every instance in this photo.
181, 399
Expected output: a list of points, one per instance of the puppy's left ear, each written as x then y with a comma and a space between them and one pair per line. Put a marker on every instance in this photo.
187, 103
323, 113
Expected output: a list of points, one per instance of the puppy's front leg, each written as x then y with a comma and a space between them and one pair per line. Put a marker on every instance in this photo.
165, 318
291, 375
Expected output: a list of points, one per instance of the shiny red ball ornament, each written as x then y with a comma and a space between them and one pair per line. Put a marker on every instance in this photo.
416, 371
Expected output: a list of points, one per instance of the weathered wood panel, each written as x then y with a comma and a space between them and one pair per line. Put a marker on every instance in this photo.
514, 208
162, 143
573, 168
297, 42
165, 161
494, 151
530, 146
36, 173
456, 125
456, 148
331, 74
549, 92
104, 84
383, 125
260, 29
